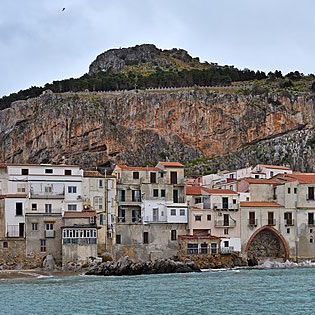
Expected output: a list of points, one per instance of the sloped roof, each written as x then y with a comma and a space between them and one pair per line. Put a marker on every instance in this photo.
197, 190
137, 168
92, 174
259, 204
261, 181
280, 167
172, 164
302, 178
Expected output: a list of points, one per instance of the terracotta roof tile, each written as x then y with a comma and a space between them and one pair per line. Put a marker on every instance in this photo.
302, 178
137, 168
197, 190
92, 174
44, 165
259, 204
172, 164
261, 181
280, 167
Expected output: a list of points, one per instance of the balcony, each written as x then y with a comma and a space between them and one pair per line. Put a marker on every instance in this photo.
289, 222
223, 223
14, 231
47, 195
230, 206
179, 200
179, 182
271, 222
49, 233
252, 222
227, 250
154, 219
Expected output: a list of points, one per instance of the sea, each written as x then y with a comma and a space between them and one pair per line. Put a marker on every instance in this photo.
234, 291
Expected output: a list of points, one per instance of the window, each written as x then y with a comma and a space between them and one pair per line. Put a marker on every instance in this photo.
121, 215
48, 208
225, 202
49, 226
192, 249
209, 217
135, 175
19, 209
145, 238
256, 176
155, 192
197, 217
34, 206
173, 211
204, 248
43, 245
271, 173
100, 183
311, 193
163, 193
118, 239
68, 172
173, 235
24, 171
288, 218
34, 226
136, 195
231, 187
5, 244
72, 189
311, 218
48, 171
152, 177
234, 201
72, 207
271, 220
289, 190
231, 175
226, 243
226, 231
252, 220
173, 178
197, 200
98, 203
214, 248
162, 174
101, 219
48, 189
121, 195
311, 239
21, 188
295, 190
288, 230
182, 212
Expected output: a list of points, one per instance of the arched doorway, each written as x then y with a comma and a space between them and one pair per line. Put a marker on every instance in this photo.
266, 243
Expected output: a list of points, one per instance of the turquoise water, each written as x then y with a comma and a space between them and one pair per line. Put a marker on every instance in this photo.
285, 291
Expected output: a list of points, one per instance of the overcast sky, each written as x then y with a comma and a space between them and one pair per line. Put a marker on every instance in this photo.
39, 43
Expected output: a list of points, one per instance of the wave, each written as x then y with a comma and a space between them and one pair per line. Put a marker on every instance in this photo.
287, 264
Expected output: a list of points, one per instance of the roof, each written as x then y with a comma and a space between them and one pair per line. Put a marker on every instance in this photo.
137, 168
198, 236
13, 196
259, 204
79, 214
197, 190
279, 167
261, 181
44, 165
171, 164
92, 174
302, 178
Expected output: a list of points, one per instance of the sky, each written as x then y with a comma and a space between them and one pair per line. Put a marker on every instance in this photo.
40, 43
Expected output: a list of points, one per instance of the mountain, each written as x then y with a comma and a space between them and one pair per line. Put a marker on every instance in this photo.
266, 120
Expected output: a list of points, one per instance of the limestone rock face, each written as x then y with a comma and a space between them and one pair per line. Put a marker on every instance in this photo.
92, 129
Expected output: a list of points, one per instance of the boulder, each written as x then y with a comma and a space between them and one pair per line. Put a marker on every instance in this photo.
49, 263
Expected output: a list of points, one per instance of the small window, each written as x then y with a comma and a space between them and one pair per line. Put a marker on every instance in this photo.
257, 176
72, 189
289, 190
145, 238
34, 206
163, 193
135, 175
21, 188
18, 209
100, 183
226, 243
311, 240
153, 178
173, 235
48, 189
118, 239
209, 217
234, 201
49, 227
226, 232
295, 190
48, 171
173, 211
271, 173
197, 200
5, 244
43, 245
182, 212
68, 172
34, 226
162, 174
288, 230
24, 171
72, 207
311, 230
155, 192
48, 208
101, 219
197, 217
231, 187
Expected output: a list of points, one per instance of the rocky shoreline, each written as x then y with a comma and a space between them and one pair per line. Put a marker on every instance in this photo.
127, 267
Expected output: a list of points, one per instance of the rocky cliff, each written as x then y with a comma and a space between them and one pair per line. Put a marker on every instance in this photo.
217, 129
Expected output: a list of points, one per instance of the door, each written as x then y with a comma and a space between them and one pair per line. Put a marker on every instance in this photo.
225, 203
21, 229
155, 215
226, 219
173, 178
175, 196
153, 178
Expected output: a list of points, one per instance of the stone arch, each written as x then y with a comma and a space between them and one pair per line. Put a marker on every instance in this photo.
267, 242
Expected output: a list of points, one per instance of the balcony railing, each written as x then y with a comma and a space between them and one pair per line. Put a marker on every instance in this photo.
230, 206
136, 220
49, 233
252, 222
202, 251
121, 219
179, 200
223, 223
227, 250
271, 222
14, 231
289, 222
154, 219
47, 195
